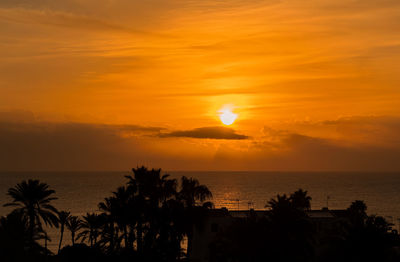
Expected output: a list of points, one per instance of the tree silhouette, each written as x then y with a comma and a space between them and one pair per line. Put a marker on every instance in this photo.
283, 233
147, 219
280, 206
110, 231
150, 190
141, 184
91, 224
73, 224
124, 213
63, 217
32, 198
162, 215
193, 196
357, 212
192, 193
368, 238
301, 200
291, 231
15, 241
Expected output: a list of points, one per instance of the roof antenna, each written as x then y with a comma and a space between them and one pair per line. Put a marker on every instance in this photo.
327, 201
250, 205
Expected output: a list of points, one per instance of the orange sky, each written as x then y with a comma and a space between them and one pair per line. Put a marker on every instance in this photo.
109, 84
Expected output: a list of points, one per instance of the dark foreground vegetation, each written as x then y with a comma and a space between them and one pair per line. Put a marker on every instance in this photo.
288, 233
152, 216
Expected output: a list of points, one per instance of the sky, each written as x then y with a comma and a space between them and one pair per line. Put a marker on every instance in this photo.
112, 84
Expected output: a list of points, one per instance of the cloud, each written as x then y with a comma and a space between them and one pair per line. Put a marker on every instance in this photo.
17, 116
353, 143
64, 146
355, 131
298, 152
26, 144
207, 133
72, 146
311, 153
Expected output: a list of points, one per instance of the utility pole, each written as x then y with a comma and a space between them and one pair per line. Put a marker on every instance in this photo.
327, 201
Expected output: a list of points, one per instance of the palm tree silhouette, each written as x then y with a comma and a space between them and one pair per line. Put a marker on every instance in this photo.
125, 213
291, 229
145, 184
91, 225
111, 213
301, 200
32, 198
358, 207
63, 217
164, 215
73, 224
191, 192
357, 213
15, 239
193, 196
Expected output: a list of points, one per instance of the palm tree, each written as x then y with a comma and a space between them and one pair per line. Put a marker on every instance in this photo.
15, 239
192, 192
301, 200
149, 191
125, 212
358, 207
290, 229
357, 213
282, 210
144, 185
32, 198
162, 213
73, 224
110, 234
63, 217
167, 188
193, 196
91, 226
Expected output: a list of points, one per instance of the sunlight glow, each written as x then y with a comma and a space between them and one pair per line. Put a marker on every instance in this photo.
227, 117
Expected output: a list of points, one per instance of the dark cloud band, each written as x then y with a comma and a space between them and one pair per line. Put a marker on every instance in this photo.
207, 133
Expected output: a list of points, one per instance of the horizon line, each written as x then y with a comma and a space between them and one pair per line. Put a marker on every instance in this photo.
204, 171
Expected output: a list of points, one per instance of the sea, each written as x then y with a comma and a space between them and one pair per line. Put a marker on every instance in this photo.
80, 192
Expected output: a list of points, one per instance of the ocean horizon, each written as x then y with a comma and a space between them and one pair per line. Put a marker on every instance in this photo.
256, 187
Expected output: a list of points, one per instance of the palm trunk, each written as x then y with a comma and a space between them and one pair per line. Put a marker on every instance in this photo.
73, 237
31, 227
91, 238
111, 237
117, 244
131, 237
189, 244
61, 238
126, 237
139, 241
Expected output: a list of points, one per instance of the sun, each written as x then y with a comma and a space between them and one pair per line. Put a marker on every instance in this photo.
227, 116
